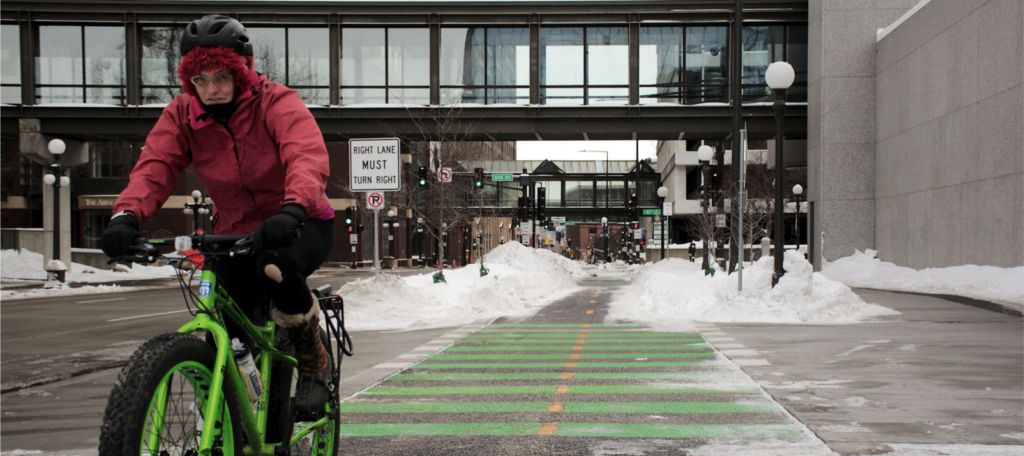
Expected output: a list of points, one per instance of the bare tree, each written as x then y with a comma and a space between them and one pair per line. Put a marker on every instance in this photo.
444, 140
758, 215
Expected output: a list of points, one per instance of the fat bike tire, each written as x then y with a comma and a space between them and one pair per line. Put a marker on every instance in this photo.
183, 364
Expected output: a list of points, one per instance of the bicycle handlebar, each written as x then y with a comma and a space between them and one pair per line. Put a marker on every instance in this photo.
144, 250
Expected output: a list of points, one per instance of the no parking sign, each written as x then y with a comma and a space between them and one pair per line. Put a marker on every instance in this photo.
374, 200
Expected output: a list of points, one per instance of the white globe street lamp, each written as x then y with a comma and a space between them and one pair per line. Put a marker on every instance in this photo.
705, 153
49, 179
56, 146
662, 193
797, 191
779, 77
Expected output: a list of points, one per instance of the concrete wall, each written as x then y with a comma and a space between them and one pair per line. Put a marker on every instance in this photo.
841, 119
949, 126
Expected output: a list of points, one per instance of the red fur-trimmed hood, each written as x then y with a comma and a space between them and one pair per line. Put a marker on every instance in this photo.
205, 58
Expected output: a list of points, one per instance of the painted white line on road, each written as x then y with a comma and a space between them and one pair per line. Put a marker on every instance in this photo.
101, 300
716, 340
392, 366
737, 345
731, 353
428, 348
752, 362
444, 342
150, 315
411, 356
713, 333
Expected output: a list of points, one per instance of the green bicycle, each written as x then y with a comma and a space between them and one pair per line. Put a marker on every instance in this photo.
180, 396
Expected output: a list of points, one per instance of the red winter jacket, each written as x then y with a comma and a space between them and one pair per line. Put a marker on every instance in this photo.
270, 152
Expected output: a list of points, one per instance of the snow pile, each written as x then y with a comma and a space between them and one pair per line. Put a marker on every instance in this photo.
518, 256
862, 269
521, 280
9, 295
670, 291
26, 265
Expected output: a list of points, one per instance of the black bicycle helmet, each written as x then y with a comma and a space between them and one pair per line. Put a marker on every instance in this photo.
216, 30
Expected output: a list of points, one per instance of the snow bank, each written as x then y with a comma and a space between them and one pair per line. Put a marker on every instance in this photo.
23, 264
9, 295
521, 280
673, 291
862, 269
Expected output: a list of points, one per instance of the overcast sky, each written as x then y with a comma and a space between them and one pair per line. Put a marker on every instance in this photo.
568, 150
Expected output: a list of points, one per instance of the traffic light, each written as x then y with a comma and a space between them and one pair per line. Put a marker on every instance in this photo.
529, 208
478, 177
348, 219
568, 242
522, 208
423, 176
541, 202
634, 207
635, 225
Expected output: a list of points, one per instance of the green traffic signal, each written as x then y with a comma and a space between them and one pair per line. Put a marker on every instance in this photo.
348, 221
479, 184
423, 182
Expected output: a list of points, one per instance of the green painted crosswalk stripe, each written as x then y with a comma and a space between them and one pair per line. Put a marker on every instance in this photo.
666, 408
706, 431
552, 376
372, 430
578, 325
445, 357
580, 389
429, 365
590, 335
570, 340
582, 347
573, 430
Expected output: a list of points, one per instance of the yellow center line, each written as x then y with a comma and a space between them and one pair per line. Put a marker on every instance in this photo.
570, 365
586, 325
574, 356
582, 336
567, 375
577, 348
562, 390
593, 302
580, 341
590, 312
548, 429
555, 407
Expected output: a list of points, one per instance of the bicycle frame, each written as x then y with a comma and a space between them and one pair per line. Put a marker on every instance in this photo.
214, 304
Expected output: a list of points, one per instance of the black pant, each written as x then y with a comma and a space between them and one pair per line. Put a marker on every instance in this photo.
245, 280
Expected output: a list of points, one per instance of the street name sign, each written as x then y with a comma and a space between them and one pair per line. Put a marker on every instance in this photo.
375, 165
502, 177
652, 211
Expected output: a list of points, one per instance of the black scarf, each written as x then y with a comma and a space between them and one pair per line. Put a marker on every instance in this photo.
221, 112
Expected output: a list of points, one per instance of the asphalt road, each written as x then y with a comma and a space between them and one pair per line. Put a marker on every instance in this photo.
59, 357
939, 373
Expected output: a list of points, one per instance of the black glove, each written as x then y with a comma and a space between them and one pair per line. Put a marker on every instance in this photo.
121, 233
279, 230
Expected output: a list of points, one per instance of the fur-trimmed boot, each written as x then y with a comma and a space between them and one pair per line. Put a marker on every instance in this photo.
311, 392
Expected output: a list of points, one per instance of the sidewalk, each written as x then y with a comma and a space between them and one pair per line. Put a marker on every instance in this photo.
940, 373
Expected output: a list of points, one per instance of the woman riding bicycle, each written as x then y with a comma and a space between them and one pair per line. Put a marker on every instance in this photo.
259, 153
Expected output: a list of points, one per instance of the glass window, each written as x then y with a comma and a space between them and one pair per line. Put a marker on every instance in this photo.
765, 44
10, 64
553, 192
160, 57
561, 64
683, 65
607, 65
268, 49
385, 66
362, 57
611, 193
409, 57
485, 66
579, 193
309, 65
80, 64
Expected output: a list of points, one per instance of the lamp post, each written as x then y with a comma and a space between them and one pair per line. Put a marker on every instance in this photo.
704, 155
607, 240
662, 193
779, 77
797, 191
197, 207
423, 242
442, 260
57, 148
387, 227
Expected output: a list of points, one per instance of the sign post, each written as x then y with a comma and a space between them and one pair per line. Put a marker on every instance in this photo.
376, 166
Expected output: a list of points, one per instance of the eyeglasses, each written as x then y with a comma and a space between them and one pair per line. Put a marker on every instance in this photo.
219, 79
